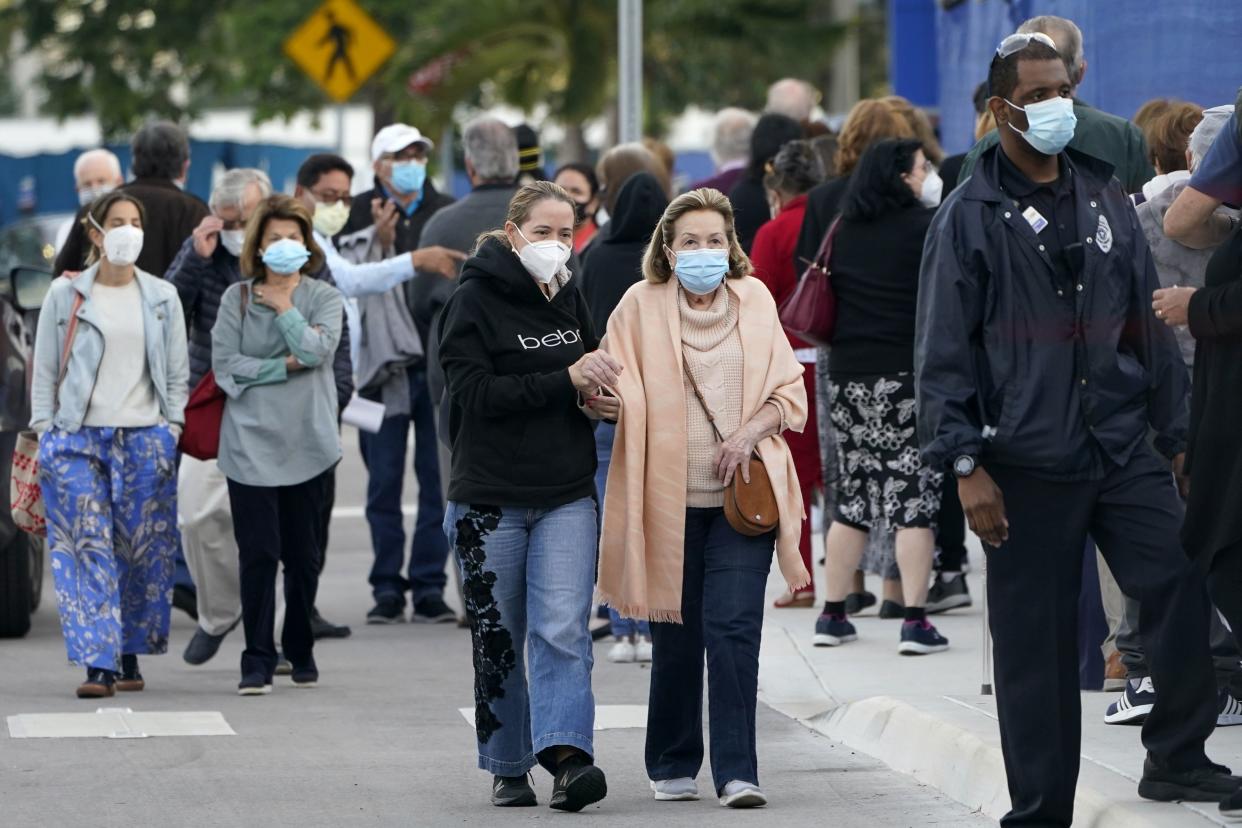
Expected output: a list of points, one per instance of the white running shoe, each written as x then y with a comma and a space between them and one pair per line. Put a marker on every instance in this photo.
684, 789
1134, 704
642, 651
622, 652
738, 794
1230, 710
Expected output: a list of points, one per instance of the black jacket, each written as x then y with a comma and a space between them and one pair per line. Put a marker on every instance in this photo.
750, 209
996, 345
615, 264
171, 216
822, 205
518, 436
201, 282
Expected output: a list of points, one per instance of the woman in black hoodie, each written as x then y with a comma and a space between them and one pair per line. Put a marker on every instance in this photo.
518, 349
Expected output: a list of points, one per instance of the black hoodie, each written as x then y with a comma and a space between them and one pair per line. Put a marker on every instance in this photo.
518, 436
616, 263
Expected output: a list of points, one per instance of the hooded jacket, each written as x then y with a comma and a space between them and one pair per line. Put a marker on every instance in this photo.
518, 437
615, 262
998, 349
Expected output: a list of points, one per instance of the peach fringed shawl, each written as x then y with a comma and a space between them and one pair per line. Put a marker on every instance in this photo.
641, 550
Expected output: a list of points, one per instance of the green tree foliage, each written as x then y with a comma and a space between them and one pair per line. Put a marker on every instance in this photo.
126, 60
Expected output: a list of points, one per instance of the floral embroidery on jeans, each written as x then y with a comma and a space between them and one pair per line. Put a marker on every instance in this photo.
494, 658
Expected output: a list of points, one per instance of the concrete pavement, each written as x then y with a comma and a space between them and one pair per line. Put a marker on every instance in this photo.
380, 741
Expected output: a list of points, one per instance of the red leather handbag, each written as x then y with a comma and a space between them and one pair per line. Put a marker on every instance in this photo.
204, 411
810, 312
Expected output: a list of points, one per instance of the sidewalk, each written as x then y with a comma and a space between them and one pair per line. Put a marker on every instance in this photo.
927, 717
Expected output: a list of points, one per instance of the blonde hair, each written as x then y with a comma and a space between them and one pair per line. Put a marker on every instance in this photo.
523, 204
869, 121
919, 124
656, 268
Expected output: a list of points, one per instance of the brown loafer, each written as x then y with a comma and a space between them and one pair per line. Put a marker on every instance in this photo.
99, 684
130, 684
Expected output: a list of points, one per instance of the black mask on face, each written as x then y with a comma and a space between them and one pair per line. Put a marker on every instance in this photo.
580, 212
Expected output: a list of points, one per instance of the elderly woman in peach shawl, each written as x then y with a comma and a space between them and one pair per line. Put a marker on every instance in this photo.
668, 553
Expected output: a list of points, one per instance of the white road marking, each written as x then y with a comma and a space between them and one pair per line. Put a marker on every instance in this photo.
117, 723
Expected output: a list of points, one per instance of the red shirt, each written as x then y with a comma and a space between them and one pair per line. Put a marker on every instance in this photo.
772, 254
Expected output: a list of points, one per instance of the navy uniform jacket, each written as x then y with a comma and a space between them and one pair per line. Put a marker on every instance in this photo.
996, 347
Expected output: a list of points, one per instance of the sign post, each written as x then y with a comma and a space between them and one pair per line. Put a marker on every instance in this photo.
339, 47
630, 69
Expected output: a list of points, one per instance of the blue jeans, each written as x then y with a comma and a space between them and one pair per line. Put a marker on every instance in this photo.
723, 581
605, 434
384, 456
528, 576
111, 501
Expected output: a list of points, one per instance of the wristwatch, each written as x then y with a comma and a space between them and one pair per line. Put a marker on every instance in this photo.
964, 466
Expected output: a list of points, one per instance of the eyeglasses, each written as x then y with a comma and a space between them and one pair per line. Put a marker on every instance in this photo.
1018, 42
331, 197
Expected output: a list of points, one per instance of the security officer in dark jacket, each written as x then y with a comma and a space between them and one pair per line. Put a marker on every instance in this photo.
1040, 368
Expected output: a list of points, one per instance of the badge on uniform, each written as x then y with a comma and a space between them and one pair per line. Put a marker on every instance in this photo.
1104, 235
1033, 218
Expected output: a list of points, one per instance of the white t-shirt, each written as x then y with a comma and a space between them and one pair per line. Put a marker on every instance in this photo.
124, 396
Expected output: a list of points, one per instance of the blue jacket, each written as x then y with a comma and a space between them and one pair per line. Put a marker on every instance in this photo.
994, 340
167, 359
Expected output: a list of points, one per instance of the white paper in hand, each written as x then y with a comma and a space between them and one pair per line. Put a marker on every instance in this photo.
364, 415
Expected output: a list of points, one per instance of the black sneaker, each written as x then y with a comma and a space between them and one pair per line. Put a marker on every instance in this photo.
512, 792
99, 684
202, 647
432, 610
254, 685
577, 784
946, 595
186, 600
1231, 806
856, 602
892, 609
323, 628
305, 677
1211, 783
921, 638
130, 680
387, 611
283, 666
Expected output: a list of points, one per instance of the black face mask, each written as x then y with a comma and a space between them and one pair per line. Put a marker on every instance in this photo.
580, 213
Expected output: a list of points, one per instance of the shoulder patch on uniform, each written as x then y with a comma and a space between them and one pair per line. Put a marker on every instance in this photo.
1104, 235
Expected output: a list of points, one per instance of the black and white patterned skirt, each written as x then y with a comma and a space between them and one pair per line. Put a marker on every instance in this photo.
882, 481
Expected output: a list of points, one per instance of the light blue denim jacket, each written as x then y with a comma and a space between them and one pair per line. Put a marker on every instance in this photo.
167, 356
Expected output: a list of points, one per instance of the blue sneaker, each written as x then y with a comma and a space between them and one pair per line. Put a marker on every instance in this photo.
833, 631
921, 638
1134, 704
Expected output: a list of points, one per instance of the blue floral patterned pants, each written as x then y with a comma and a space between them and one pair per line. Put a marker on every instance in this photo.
111, 501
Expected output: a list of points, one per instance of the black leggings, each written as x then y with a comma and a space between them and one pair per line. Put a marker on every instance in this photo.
1225, 586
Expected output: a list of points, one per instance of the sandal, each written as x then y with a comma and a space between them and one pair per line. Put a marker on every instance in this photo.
802, 599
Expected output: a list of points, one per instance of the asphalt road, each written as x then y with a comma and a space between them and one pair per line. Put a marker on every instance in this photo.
379, 742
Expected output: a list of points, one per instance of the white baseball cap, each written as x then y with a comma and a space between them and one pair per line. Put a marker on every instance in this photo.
396, 137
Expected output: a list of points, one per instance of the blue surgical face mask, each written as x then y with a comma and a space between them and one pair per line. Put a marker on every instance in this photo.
1050, 124
701, 271
409, 176
286, 256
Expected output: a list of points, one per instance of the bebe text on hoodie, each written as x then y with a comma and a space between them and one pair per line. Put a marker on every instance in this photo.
552, 340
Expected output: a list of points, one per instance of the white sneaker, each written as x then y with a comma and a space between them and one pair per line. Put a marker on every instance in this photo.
675, 790
738, 794
642, 651
622, 652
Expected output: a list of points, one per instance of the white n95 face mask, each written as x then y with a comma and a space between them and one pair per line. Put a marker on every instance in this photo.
543, 259
933, 190
121, 245
233, 240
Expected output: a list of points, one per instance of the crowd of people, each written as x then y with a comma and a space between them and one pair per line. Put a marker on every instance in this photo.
1014, 338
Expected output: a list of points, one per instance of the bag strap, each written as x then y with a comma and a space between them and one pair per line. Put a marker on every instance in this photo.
698, 393
70, 334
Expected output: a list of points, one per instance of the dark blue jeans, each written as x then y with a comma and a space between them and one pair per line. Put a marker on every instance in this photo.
384, 456
723, 580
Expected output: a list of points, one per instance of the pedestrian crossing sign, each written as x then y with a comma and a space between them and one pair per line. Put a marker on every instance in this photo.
339, 47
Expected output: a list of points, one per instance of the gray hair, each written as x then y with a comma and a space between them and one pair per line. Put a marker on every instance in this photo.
105, 155
230, 190
1205, 133
731, 134
491, 149
160, 150
1068, 38
792, 97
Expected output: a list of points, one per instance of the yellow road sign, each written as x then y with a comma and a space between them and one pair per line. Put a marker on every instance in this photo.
339, 47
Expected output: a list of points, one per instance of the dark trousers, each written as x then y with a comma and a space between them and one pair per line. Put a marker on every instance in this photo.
723, 580
1225, 585
1034, 582
384, 455
950, 529
278, 525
